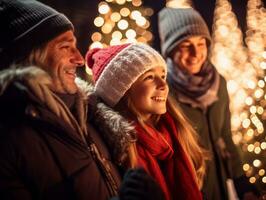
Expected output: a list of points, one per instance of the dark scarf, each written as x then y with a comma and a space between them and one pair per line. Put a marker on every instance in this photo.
162, 156
198, 90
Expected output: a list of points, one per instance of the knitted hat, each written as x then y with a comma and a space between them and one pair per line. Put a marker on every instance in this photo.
177, 24
25, 25
117, 67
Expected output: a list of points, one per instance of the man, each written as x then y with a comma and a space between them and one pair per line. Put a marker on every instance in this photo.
48, 147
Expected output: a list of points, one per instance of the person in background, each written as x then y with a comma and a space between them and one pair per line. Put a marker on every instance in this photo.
131, 78
202, 95
50, 147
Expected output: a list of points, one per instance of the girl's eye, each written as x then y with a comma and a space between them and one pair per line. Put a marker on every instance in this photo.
149, 77
184, 47
163, 77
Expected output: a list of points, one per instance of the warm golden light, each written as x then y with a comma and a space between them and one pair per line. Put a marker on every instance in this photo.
115, 41
256, 163
261, 83
120, 2
142, 39
135, 14
141, 21
107, 28
96, 45
260, 110
250, 148
98, 21
136, 3
148, 11
122, 24
252, 110
264, 54
258, 93
130, 33
261, 172
124, 12
103, 8
263, 145
179, 3
252, 179
250, 132
249, 101
264, 179
246, 167
257, 150
263, 65
117, 34
115, 17
246, 123
96, 36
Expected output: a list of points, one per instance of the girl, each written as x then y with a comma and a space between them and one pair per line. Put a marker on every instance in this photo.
131, 78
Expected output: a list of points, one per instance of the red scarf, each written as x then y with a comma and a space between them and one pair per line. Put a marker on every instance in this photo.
161, 155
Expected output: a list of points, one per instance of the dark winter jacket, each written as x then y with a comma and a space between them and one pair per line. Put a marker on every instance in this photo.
214, 132
45, 153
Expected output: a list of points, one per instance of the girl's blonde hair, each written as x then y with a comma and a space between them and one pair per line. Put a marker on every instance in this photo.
187, 136
189, 140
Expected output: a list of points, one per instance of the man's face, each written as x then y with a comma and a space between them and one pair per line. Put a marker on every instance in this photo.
191, 53
61, 62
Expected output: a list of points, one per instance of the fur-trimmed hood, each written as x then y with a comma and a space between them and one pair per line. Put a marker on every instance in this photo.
116, 131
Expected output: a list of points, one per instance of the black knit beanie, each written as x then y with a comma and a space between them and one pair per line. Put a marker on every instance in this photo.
25, 25
177, 24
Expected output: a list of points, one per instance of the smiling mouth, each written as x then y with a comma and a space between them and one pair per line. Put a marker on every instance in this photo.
159, 99
71, 72
193, 62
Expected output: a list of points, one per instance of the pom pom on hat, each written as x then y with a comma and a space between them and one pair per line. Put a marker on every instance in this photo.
117, 67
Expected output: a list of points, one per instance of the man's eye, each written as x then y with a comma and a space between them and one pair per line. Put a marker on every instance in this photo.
65, 47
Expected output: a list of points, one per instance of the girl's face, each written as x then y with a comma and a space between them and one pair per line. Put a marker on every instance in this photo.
191, 54
149, 93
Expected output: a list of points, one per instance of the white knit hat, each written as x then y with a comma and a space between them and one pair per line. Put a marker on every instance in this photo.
116, 68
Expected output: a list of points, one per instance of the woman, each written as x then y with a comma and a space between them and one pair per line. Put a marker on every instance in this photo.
202, 95
131, 78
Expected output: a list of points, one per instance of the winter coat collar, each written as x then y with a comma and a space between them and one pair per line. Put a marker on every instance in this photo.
34, 85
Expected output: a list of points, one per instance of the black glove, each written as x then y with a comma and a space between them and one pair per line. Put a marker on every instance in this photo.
138, 185
243, 186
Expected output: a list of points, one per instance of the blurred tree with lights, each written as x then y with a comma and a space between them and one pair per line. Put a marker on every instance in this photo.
121, 21
253, 140
243, 65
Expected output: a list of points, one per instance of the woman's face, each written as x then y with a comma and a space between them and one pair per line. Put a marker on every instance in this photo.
149, 93
191, 53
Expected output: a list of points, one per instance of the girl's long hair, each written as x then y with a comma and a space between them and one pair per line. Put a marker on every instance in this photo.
187, 136
189, 140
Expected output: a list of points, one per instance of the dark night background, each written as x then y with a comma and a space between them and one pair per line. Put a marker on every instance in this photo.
83, 12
